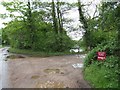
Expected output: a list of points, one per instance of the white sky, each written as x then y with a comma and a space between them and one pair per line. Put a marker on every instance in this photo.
73, 14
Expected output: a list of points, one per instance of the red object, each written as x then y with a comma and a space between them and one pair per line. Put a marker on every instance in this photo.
101, 55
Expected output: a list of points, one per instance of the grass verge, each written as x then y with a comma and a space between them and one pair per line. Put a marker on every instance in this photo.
98, 77
41, 54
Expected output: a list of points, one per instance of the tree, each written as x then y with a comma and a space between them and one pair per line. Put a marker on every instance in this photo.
30, 24
32, 30
83, 20
54, 17
58, 10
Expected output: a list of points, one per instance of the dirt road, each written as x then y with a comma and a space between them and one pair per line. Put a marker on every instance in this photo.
49, 72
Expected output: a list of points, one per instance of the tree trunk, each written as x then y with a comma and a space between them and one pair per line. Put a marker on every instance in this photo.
30, 24
59, 14
54, 17
84, 22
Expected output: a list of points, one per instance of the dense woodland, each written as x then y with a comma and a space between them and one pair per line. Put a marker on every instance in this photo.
40, 27
105, 38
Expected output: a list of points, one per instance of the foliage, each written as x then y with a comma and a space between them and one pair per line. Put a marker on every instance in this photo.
0, 36
108, 47
99, 36
102, 69
82, 44
38, 53
104, 76
44, 39
31, 30
104, 36
4, 39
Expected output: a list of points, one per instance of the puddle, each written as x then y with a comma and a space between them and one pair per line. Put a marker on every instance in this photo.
78, 65
81, 56
52, 71
35, 77
15, 56
50, 84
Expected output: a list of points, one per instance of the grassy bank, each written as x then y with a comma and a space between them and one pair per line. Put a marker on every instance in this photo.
103, 74
41, 54
99, 78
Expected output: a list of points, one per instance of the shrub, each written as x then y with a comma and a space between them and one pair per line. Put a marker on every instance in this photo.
102, 74
108, 47
43, 38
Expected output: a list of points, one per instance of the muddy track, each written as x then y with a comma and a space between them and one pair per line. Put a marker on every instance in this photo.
49, 72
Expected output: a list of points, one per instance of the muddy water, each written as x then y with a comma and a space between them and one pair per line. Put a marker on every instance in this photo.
4, 76
36, 72
0, 69
48, 72
50, 84
52, 71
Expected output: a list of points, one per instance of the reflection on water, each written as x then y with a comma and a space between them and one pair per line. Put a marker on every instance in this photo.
1, 61
3, 55
0, 69
4, 74
52, 71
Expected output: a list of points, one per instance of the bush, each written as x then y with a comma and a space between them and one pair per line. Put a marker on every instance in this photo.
4, 37
61, 43
96, 37
108, 47
102, 74
43, 37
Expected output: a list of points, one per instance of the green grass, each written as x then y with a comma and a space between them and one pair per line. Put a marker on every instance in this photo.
99, 78
41, 54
